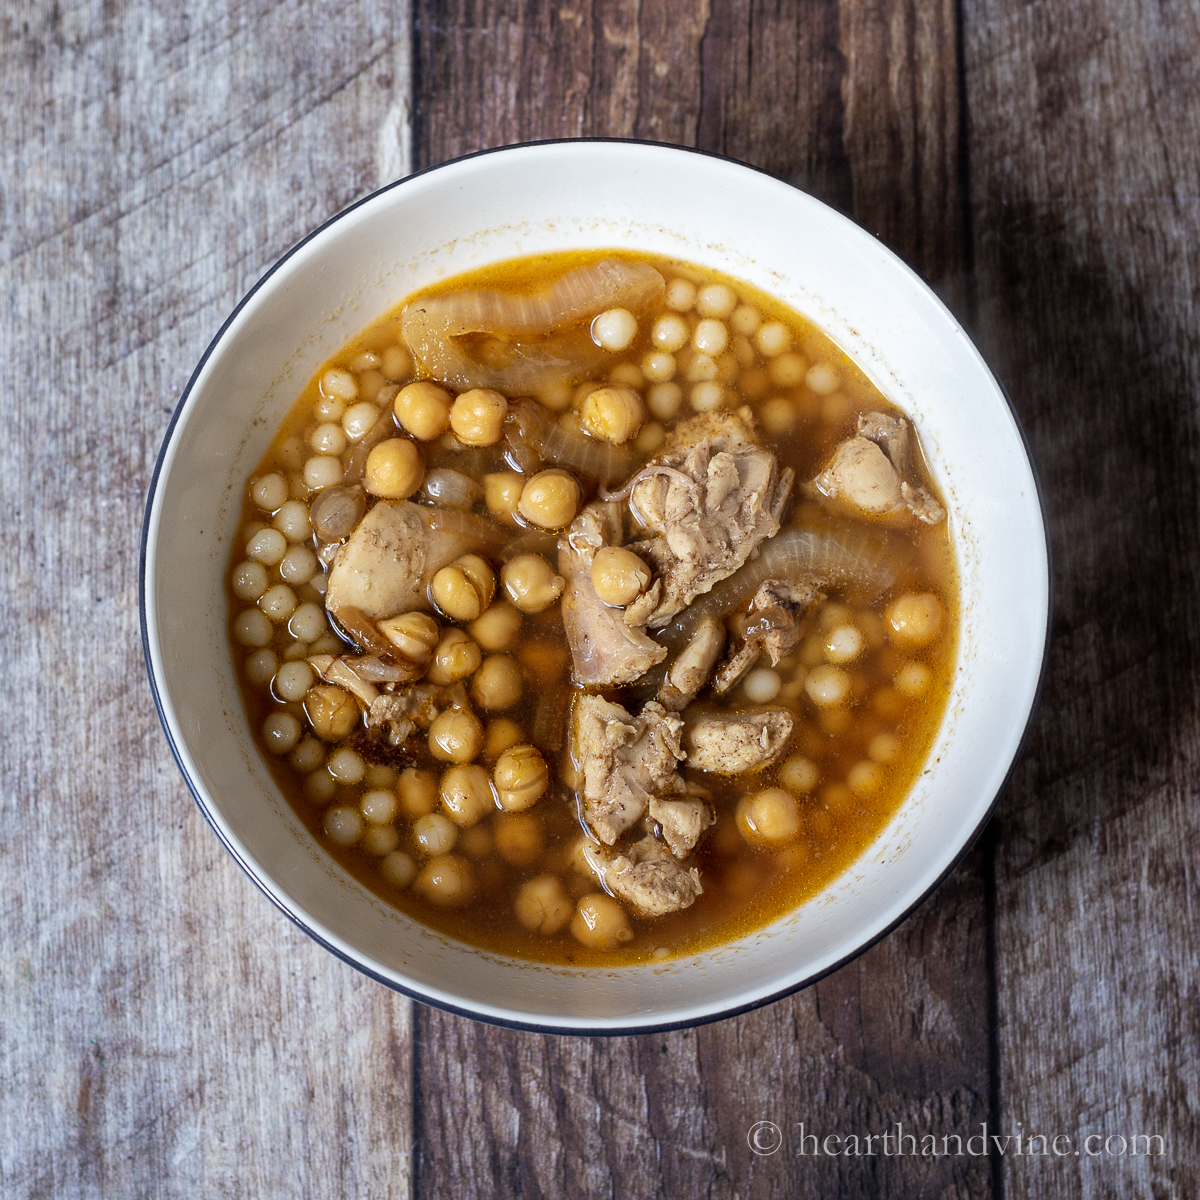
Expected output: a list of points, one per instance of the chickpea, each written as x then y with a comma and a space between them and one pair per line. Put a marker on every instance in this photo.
339, 385
550, 499
476, 842
260, 666
799, 775
600, 922
614, 329
396, 363
822, 379
380, 807
710, 337
715, 300
519, 838
269, 492
446, 881
913, 680
423, 409
394, 469
278, 603
502, 494
681, 295
914, 619
772, 339
292, 680
380, 839
308, 756
267, 546
650, 439
414, 634
466, 794
613, 414
320, 787
497, 628
281, 732
788, 369
343, 825
670, 333
531, 583
619, 576
455, 736
884, 748
864, 778
768, 818
252, 628
398, 869
843, 644
501, 735
346, 766
664, 400
463, 589
521, 778
435, 834
250, 580
418, 792
542, 905
827, 686
762, 685
454, 657
331, 712
498, 683
298, 565
477, 417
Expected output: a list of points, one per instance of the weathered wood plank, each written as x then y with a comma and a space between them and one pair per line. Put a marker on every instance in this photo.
165, 1031
1085, 122
860, 105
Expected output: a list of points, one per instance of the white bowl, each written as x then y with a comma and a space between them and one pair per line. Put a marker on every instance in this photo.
556, 196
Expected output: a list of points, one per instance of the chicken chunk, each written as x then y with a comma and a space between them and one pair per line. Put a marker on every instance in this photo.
647, 877
774, 625
867, 473
690, 671
401, 713
605, 650
730, 743
709, 499
622, 761
682, 822
385, 567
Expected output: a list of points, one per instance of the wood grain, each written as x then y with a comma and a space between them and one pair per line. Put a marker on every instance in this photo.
860, 105
165, 1032
1084, 124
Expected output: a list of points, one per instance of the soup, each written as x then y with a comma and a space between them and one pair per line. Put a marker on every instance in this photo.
594, 608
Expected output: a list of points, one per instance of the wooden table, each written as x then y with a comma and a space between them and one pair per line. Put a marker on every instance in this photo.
165, 1032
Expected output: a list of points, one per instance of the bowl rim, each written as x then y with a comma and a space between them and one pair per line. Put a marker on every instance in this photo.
621, 1029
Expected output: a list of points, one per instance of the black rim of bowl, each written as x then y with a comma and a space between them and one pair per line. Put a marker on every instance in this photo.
414, 993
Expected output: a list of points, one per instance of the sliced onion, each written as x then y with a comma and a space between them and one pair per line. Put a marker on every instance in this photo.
432, 323
534, 436
849, 559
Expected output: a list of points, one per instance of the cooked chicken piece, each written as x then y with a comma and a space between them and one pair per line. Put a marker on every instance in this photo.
710, 498
605, 651
690, 671
646, 877
867, 472
385, 567
682, 822
774, 625
622, 761
402, 712
730, 743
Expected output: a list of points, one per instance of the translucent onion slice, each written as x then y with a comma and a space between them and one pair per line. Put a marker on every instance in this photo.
431, 325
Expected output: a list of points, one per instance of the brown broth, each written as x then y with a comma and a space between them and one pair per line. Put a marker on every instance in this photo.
744, 887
